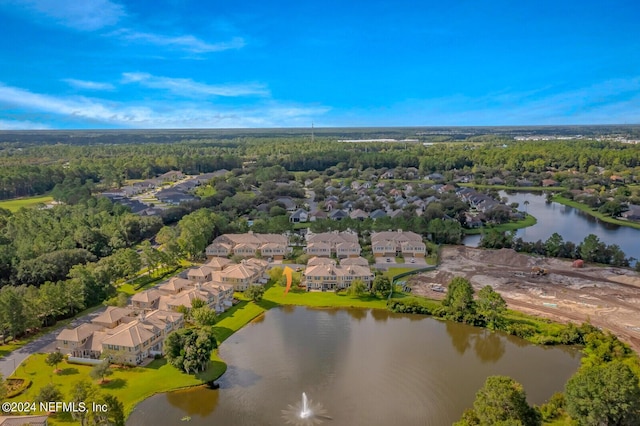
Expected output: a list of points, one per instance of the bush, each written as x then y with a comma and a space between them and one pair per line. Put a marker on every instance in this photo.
16, 386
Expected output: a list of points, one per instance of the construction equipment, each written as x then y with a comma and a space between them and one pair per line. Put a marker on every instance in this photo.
537, 271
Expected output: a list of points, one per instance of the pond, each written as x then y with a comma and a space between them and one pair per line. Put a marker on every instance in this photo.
571, 223
365, 367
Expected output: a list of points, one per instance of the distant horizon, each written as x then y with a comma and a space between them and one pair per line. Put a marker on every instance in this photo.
122, 64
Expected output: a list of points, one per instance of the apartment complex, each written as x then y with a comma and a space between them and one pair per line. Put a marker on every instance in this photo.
132, 334
272, 246
328, 276
339, 244
397, 243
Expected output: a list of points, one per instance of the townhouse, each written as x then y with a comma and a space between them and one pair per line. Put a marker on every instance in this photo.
249, 245
400, 243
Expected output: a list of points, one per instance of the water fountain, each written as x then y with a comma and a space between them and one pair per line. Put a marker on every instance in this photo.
305, 413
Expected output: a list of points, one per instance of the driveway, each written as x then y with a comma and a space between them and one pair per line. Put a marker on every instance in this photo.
43, 344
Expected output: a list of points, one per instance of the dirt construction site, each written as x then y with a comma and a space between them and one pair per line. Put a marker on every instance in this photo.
546, 287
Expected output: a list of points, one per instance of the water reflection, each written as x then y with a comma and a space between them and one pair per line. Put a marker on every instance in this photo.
376, 369
358, 314
572, 224
195, 402
488, 346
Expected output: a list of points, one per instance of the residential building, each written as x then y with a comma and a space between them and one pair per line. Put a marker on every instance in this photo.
331, 277
400, 243
249, 245
340, 244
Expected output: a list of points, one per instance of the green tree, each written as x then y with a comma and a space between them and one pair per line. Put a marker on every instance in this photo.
48, 392
254, 292
381, 284
198, 303
189, 350
357, 288
115, 411
604, 395
591, 248
458, 301
204, 316
490, 305
53, 359
84, 392
501, 401
100, 371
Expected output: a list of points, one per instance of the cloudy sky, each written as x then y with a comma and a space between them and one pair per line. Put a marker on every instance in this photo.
70, 64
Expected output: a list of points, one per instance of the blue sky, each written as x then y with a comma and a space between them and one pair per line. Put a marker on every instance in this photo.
69, 64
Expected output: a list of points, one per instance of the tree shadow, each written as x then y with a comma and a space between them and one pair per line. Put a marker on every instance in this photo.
266, 304
114, 384
156, 363
68, 372
241, 377
197, 401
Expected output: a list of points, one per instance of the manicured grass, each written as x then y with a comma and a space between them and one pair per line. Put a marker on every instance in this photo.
319, 299
235, 318
392, 272
130, 385
594, 213
524, 223
16, 204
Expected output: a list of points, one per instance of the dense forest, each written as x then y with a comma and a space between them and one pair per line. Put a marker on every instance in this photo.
31, 166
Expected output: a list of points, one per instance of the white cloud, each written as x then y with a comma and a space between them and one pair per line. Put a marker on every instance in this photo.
159, 114
184, 42
21, 125
188, 87
86, 15
88, 85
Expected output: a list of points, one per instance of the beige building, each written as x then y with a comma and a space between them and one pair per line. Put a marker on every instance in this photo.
399, 243
249, 245
242, 275
129, 342
330, 277
340, 244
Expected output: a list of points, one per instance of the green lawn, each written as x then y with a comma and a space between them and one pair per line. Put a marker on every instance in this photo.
130, 385
16, 204
595, 213
524, 223
320, 299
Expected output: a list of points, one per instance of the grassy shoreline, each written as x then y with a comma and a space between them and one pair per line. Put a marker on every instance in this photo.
135, 384
524, 223
594, 213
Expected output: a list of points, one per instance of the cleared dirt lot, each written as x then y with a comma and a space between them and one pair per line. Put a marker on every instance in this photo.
608, 297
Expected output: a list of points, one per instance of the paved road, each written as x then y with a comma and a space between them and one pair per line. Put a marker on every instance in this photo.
46, 343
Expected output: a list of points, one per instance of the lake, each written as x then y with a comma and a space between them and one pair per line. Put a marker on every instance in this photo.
365, 367
571, 223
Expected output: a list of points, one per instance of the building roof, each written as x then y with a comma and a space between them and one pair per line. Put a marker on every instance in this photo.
79, 333
113, 314
147, 296
396, 236
23, 420
337, 270
131, 334
174, 285
218, 262
354, 261
320, 261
